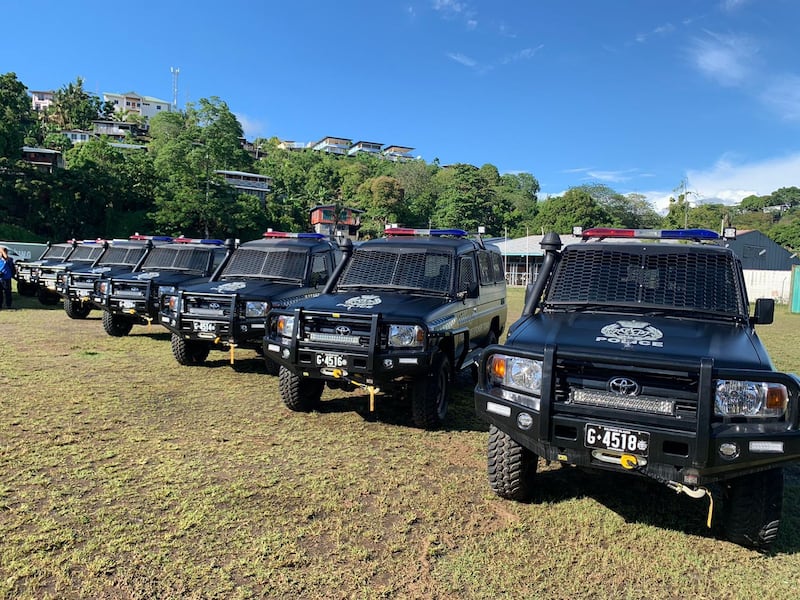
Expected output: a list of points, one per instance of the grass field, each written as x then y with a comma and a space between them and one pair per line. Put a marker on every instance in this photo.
125, 475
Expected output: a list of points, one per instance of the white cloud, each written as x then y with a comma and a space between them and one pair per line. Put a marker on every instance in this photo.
462, 59
252, 128
728, 182
728, 59
783, 97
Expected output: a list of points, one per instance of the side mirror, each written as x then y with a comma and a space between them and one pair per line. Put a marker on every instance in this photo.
528, 290
764, 313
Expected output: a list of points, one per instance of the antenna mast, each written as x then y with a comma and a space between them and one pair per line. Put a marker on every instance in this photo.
175, 71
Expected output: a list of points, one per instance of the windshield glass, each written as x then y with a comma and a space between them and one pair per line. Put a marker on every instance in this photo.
415, 268
278, 264
686, 281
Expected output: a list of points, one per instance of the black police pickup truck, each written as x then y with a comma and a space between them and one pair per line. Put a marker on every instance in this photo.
86, 254
135, 298
28, 270
279, 270
642, 357
404, 314
75, 285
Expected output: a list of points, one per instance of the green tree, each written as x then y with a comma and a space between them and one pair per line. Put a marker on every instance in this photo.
73, 107
467, 199
16, 117
575, 208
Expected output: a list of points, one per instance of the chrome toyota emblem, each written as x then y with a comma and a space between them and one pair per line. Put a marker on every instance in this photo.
343, 330
214, 306
623, 386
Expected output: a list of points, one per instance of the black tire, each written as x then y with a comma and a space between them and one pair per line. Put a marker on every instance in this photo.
189, 353
299, 394
76, 310
511, 467
752, 508
47, 297
26, 289
430, 395
273, 368
116, 325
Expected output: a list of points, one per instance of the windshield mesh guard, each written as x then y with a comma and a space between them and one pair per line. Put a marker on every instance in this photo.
284, 264
190, 259
686, 280
400, 268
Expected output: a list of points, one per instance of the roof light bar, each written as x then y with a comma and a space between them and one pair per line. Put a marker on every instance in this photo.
284, 234
424, 232
651, 234
185, 240
155, 238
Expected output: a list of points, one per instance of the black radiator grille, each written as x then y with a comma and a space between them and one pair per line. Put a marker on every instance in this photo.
682, 387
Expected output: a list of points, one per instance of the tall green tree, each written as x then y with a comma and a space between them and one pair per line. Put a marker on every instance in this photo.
576, 207
16, 117
73, 108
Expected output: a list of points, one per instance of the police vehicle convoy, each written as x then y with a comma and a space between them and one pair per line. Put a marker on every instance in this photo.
405, 314
85, 254
636, 352
135, 298
28, 270
229, 311
75, 285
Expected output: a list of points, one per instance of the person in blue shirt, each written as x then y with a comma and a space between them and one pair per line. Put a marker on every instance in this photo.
6, 275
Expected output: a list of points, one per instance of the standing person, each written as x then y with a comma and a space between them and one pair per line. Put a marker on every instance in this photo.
6, 274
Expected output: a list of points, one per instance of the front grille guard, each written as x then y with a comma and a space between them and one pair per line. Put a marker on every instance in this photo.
703, 370
370, 322
231, 301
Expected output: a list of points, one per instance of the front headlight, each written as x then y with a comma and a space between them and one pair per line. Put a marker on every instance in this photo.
524, 374
735, 398
406, 336
166, 289
286, 325
256, 309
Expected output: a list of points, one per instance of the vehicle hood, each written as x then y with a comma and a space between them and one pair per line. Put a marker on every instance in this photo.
389, 304
675, 340
162, 278
259, 289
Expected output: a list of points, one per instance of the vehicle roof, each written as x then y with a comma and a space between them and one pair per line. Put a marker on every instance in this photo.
406, 241
306, 243
666, 246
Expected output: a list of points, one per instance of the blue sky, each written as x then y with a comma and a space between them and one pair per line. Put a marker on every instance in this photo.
639, 95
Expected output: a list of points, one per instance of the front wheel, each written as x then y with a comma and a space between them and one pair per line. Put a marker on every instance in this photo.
76, 309
48, 298
511, 467
189, 352
116, 325
430, 395
299, 394
752, 508
26, 289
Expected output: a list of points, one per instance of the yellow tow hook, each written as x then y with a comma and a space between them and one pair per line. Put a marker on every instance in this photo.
337, 373
629, 462
149, 323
